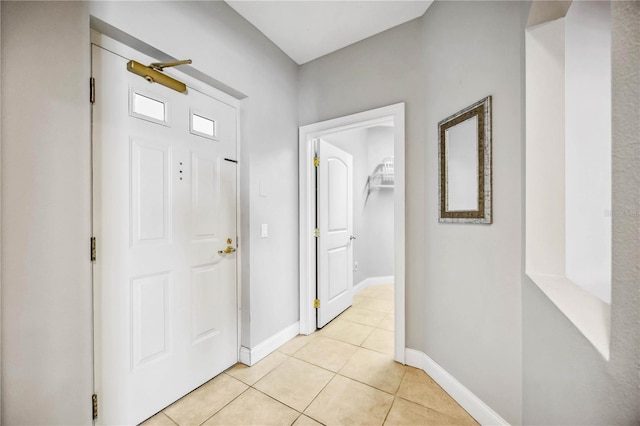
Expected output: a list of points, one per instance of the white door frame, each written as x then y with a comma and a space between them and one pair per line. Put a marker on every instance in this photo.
307, 213
121, 48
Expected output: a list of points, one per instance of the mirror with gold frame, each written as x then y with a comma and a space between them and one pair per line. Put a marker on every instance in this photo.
464, 149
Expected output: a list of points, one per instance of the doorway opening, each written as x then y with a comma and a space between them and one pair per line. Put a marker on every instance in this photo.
385, 178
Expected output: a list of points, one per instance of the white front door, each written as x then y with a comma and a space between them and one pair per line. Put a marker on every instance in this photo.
335, 221
164, 188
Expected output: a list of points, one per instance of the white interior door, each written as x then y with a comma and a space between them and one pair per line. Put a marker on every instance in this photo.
335, 222
164, 205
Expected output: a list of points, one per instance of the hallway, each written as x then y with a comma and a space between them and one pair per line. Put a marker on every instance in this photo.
342, 374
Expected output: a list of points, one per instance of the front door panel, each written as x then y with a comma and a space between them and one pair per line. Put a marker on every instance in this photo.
164, 209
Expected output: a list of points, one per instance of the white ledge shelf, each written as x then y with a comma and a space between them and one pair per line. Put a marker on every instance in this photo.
565, 229
587, 312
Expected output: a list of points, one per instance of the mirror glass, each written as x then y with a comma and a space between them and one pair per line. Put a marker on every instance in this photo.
464, 148
462, 165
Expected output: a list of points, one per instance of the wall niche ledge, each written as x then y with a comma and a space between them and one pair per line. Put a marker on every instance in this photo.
588, 313
568, 214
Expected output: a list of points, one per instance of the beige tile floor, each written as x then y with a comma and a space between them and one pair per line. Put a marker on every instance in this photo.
343, 374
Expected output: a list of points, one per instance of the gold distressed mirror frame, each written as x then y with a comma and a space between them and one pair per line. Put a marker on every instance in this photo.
483, 213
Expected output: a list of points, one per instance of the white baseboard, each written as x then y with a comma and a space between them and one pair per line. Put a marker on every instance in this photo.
251, 356
245, 355
368, 282
463, 396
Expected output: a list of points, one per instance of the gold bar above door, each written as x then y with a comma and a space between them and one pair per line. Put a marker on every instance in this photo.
153, 76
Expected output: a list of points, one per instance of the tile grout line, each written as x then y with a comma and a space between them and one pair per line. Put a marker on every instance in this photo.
352, 322
167, 416
310, 339
278, 401
225, 405
251, 366
324, 368
395, 395
426, 406
335, 373
295, 409
163, 411
373, 387
315, 397
386, 416
301, 360
432, 408
244, 391
297, 418
284, 403
385, 313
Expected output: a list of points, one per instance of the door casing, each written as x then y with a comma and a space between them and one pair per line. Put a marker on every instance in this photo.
395, 114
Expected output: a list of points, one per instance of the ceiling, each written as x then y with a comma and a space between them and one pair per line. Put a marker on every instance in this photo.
308, 29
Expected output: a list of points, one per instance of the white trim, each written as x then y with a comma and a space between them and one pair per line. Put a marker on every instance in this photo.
245, 356
251, 356
1, 241
128, 52
117, 35
588, 313
392, 113
239, 241
372, 281
463, 396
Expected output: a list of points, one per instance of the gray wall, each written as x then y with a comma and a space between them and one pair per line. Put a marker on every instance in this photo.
463, 281
473, 272
46, 276
566, 381
47, 365
373, 215
378, 210
463, 298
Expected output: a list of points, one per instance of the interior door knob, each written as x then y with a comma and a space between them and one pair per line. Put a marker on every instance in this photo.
352, 237
228, 250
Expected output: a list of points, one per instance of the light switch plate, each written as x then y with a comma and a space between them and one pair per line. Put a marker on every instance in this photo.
264, 231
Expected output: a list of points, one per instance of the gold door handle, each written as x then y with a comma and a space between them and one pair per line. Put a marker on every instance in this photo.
228, 250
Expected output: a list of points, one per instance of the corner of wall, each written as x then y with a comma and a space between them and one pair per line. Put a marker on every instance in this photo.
480, 411
46, 204
250, 356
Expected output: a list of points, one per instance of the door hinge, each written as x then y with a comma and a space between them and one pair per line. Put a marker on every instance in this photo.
316, 303
316, 233
316, 161
93, 249
94, 404
92, 90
